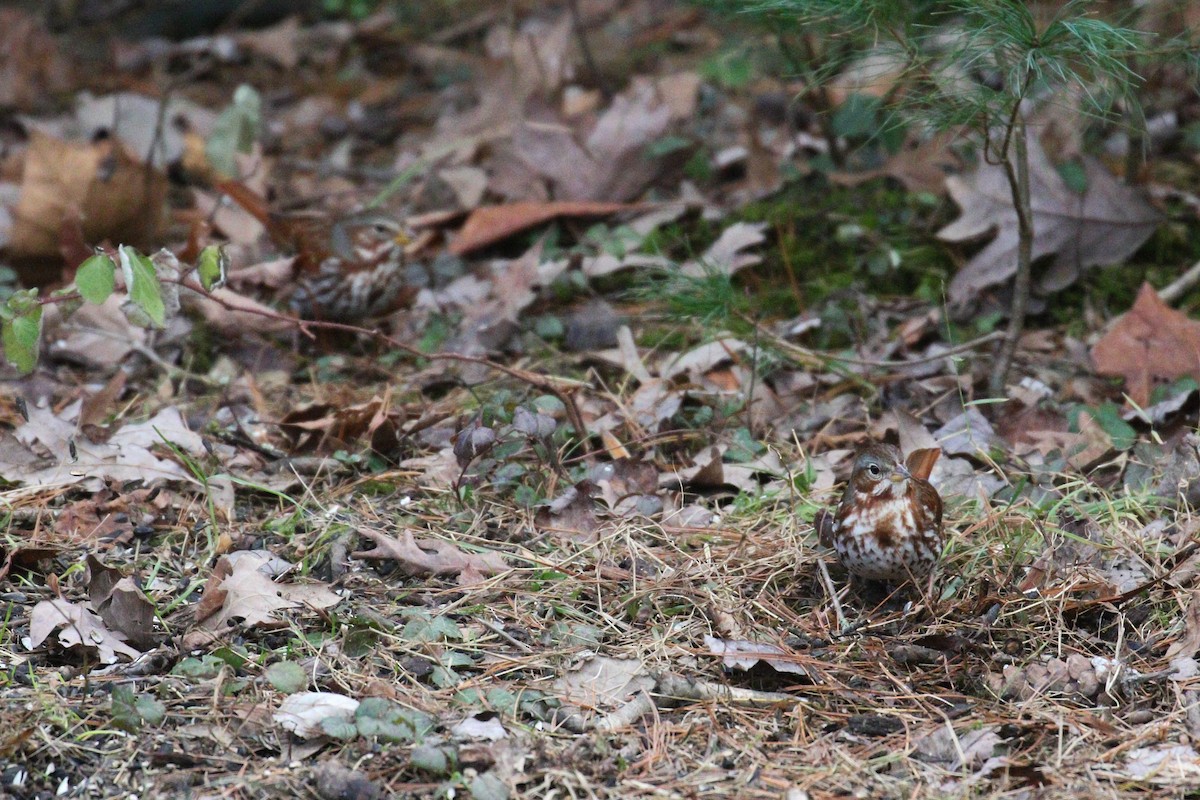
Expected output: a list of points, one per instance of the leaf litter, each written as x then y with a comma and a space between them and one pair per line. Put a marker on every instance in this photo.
521, 589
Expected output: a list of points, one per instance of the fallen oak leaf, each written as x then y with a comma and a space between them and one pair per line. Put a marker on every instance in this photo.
430, 556
242, 589
1151, 341
1105, 225
81, 627
114, 195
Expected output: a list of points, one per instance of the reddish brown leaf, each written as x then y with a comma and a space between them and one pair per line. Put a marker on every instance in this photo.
920, 462
1152, 341
491, 224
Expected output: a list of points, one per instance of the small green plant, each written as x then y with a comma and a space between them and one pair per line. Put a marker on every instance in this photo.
151, 287
976, 65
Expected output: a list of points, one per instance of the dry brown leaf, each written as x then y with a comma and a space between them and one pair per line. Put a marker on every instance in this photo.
427, 556
725, 255
603, 682
1189, 643
1102, 226
744, 655
920, 462
121, 603
98, 406
1150, 342
112, 195
279, 43
126, 456
920, 167
572, 514
611, 162
77, 626
488, 225
32, 69
106, 516
248, 595
619, 480
234, 314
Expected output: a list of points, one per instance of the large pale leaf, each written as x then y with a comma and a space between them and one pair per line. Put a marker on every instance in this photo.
1102, 226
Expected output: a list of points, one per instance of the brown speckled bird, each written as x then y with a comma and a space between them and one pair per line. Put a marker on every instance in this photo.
889, 523
348, 269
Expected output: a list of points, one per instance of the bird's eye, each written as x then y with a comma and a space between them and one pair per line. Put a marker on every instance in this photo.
873, 470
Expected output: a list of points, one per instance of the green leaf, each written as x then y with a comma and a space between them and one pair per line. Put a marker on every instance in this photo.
389, 721
1108, 417
488, 787
198, 669
141, 281
150, 710
428, 758
857, 116
286, 676
235, 131
21, 331
212, 266
96, 278
230, 656
124, 712
338, 728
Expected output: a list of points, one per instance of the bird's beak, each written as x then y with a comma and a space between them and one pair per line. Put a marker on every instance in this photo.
402, 238
900, 473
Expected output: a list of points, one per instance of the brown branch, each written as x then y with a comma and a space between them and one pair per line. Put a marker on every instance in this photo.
1018, 181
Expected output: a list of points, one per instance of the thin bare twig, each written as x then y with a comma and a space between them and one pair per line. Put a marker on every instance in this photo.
1180, 286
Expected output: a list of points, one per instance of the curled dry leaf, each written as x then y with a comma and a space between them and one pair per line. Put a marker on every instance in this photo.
431, 556
121, 603
921, 462
744, 655
1150, 342
77, 626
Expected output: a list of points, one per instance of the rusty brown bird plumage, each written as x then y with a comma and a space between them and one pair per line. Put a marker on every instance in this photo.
888, 525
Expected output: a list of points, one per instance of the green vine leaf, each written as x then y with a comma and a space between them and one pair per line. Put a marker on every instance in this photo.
96, 278
21, 330
141, 282
212, 266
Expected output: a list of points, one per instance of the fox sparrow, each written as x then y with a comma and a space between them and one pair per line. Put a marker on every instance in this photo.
348, 269
889, 523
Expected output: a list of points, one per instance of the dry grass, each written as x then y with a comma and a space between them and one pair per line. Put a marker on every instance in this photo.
902, 705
